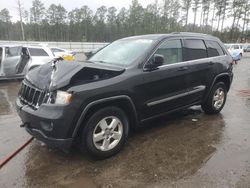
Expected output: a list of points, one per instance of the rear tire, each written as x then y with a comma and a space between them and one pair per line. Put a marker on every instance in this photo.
105, 132
216, 99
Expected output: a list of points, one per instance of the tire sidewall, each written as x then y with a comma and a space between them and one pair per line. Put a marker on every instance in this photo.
87, 135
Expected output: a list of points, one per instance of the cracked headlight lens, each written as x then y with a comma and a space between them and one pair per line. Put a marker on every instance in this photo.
63, 97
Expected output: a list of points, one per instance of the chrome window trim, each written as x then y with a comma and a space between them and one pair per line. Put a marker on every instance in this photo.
197, 89
182, 62
189, 61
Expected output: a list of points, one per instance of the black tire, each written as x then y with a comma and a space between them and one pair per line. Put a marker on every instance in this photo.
92, 124
209, 106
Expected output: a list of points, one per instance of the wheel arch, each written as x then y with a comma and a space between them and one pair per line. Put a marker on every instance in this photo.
123, 101
224, 77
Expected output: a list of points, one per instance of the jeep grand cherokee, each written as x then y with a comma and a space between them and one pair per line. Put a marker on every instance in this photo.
128, 82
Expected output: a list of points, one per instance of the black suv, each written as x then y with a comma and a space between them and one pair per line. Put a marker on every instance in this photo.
128, 82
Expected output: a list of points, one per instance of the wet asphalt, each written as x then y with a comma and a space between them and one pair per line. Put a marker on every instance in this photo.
185, 149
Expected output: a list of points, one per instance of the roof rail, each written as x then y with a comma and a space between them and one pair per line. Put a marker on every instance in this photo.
190, 33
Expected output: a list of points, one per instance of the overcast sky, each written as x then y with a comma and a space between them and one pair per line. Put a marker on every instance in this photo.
70, 4
93, 4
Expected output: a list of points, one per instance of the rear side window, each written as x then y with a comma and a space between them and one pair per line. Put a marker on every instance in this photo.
194, 49
214, 49
37, 52
171, 51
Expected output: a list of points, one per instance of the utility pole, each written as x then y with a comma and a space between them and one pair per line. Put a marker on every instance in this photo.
20, 12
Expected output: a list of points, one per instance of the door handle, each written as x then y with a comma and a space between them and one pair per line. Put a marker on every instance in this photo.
182, 68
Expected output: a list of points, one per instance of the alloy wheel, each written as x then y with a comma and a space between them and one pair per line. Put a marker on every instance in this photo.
107, 133
218, 98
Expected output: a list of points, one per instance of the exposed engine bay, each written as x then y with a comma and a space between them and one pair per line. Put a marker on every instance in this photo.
51, 76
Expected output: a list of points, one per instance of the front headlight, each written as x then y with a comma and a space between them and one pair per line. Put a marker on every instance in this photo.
63, 97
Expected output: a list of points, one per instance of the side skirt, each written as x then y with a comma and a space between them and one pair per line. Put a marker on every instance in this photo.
169, 112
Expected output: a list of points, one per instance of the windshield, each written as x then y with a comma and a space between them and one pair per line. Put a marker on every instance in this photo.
122, 52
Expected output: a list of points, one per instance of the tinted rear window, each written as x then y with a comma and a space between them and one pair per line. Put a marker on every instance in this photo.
37, 52
194, 49
214, 49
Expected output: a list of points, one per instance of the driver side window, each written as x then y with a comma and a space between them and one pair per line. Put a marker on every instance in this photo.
171, 51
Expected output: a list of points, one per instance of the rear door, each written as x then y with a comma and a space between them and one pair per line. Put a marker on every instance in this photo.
201, 67
165, 89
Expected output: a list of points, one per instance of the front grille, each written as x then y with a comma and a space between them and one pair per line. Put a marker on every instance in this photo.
32, 96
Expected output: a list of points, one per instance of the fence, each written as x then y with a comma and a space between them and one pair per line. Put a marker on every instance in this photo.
75, 46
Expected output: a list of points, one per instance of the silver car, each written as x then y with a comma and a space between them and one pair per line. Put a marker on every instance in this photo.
16, 61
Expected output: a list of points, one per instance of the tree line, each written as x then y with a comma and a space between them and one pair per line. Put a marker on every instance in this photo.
107, 24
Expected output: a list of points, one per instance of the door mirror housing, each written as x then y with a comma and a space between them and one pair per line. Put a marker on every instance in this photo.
156, 61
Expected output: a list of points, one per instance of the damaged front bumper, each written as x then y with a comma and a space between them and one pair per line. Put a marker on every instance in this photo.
47, 124
62, 144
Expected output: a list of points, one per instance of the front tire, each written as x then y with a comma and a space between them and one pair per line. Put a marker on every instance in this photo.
216, 99
105, 132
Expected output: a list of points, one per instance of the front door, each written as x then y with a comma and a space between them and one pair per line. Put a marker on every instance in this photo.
165, 88
11, 59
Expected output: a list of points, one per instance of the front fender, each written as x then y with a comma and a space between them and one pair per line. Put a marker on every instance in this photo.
100, 101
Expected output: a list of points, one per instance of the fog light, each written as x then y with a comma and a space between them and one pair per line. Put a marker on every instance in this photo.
47, 126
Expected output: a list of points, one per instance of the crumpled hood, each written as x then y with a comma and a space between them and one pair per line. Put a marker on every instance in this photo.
42, 78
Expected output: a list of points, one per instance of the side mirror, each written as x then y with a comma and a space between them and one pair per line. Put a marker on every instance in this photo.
156, 61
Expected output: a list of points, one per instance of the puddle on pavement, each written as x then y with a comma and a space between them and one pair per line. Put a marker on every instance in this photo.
8, 93
170, 148
174, 151
5, 105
